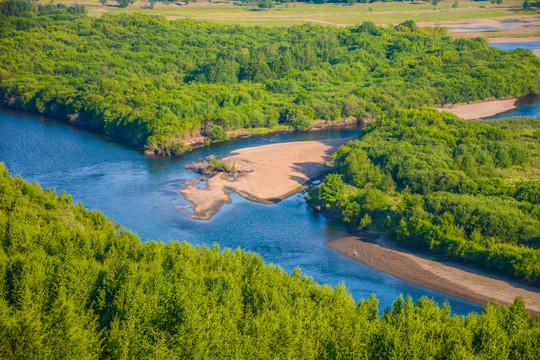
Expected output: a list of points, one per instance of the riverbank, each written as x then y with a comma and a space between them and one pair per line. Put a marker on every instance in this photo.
480, 109
466, 283
270, 173
198, 140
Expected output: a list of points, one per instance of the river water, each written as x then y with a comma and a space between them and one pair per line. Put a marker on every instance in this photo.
139, 192
531, 45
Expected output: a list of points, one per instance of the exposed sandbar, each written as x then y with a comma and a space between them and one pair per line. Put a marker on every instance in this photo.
479, 110
516, 39
272, 173
457, 281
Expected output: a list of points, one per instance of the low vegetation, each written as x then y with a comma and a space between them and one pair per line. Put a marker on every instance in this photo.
465, 189
159, 83
74, 284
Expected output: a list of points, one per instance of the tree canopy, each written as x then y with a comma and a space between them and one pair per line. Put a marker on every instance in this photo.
460, 188
74, 284
160, 83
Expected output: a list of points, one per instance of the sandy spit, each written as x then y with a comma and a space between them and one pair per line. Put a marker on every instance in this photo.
457, 281
480, 110
273, 173
514, 39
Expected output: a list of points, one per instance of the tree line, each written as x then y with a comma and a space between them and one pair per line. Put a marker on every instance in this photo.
159, 83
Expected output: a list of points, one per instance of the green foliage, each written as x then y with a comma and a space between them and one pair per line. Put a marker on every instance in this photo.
436, 182
217, 133
125, 3
158, 82
218, 165
74, 284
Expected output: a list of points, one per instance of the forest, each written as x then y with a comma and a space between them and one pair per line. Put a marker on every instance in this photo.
160, 83
75, 284
468, 190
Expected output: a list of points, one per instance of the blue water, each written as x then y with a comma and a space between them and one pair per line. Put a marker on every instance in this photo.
139, 192
473, 29
509, 25
529, 106
514, 45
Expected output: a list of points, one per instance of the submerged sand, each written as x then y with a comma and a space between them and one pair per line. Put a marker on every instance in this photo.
271, 173
479, 110
454, 280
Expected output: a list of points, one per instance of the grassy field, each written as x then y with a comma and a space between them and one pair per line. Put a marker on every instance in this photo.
329, 14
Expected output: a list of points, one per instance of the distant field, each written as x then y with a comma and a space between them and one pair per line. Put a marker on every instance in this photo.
329, 14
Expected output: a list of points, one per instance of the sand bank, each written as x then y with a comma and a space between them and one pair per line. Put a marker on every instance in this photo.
480, 110
273, 173
499, 40
498, 22
454, 280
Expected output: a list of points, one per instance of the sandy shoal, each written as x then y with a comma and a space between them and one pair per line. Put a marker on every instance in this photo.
530, 20
273, 173
514, 39
480, 110
457, 281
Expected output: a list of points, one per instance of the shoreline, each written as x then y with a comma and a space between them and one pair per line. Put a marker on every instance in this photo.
480, 109
317, 125
460, 281
79, 122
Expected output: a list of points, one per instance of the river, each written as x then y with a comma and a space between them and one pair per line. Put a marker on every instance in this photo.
139, 192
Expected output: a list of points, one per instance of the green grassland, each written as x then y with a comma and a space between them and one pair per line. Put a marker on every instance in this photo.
330, 14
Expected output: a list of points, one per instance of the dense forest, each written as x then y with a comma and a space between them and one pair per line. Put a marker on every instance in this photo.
465, 189
74, 284
160, 83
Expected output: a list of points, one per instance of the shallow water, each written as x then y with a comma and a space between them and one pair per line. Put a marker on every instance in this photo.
509, 25
528, 106
514, 45
140, 192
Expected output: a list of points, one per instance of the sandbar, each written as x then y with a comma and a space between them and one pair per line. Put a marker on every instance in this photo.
271, 173
466, 283
479, 110
499, 40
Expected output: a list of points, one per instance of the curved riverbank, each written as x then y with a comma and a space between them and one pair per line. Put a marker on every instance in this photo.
463, 282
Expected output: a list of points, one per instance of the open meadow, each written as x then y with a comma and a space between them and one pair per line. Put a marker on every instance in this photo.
287, 14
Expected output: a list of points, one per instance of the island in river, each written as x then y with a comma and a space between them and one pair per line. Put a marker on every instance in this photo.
269, 173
